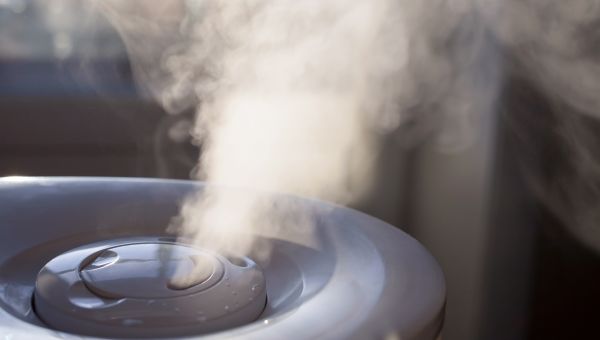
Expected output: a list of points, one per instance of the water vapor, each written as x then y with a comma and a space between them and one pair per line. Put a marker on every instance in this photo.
555, 47
295, 96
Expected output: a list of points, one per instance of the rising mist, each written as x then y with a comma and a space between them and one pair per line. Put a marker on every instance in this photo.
295, 96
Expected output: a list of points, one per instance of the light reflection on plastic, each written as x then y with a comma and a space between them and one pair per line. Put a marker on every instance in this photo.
17, 179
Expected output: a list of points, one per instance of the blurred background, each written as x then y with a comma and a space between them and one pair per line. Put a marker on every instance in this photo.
69, 106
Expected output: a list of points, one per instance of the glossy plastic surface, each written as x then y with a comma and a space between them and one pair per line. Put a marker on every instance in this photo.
150, 271
349, 277
127, 290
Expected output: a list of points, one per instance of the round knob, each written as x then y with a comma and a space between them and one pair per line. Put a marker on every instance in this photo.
149, 271
147, 288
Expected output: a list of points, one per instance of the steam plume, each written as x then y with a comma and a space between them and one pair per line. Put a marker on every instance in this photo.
555, 46
294, 96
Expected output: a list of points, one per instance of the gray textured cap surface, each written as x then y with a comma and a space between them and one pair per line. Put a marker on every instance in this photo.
127, 290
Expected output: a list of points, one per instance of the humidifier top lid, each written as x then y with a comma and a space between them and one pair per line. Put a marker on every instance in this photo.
150, 271
148, 289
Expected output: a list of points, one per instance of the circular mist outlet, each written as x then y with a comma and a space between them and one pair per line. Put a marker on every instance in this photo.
150, 271
148, 289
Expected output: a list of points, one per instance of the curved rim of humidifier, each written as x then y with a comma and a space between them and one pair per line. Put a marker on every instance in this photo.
352, 277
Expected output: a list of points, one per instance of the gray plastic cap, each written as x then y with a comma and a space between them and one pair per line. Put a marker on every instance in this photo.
148, 290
